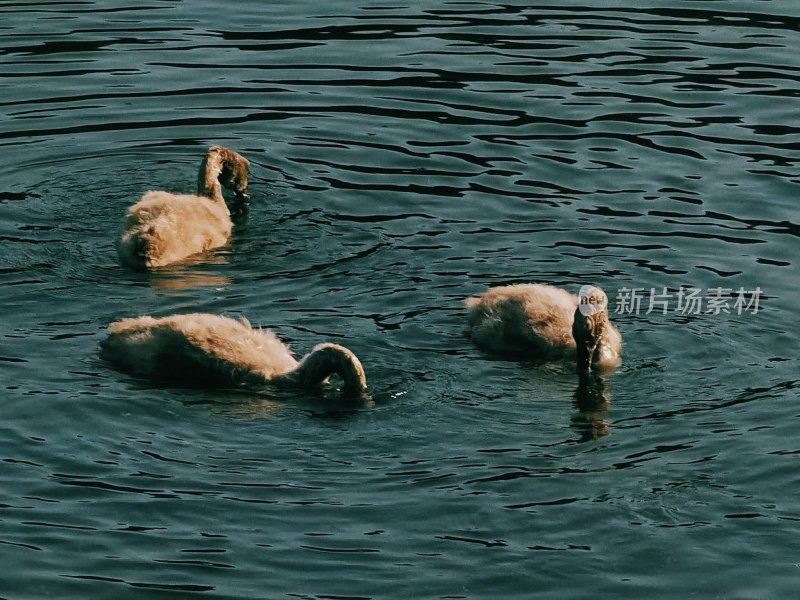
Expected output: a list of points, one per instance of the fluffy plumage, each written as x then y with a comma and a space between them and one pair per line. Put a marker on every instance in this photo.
544, 322
163, 228
216, 350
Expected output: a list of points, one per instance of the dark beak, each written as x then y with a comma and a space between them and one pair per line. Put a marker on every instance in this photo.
584, 358
240, 207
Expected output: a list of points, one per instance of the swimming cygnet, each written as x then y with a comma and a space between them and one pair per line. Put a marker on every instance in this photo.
210, 349
546, 322
163, 228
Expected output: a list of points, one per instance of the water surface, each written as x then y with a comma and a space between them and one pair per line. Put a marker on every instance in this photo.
403, 158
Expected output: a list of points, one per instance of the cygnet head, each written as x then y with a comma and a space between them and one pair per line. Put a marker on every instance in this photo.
590, 326
222, 166
235, 170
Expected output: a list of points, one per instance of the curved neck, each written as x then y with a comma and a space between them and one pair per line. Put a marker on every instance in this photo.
331, 359
208, 177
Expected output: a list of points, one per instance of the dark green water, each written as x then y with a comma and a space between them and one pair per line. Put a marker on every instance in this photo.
405, 156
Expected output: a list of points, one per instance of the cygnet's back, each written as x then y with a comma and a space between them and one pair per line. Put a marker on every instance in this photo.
164, 228
196, 348
528, 318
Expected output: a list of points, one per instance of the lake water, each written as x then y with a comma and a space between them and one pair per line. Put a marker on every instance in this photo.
405, 156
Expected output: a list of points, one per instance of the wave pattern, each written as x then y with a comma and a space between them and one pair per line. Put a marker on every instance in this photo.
405, 157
